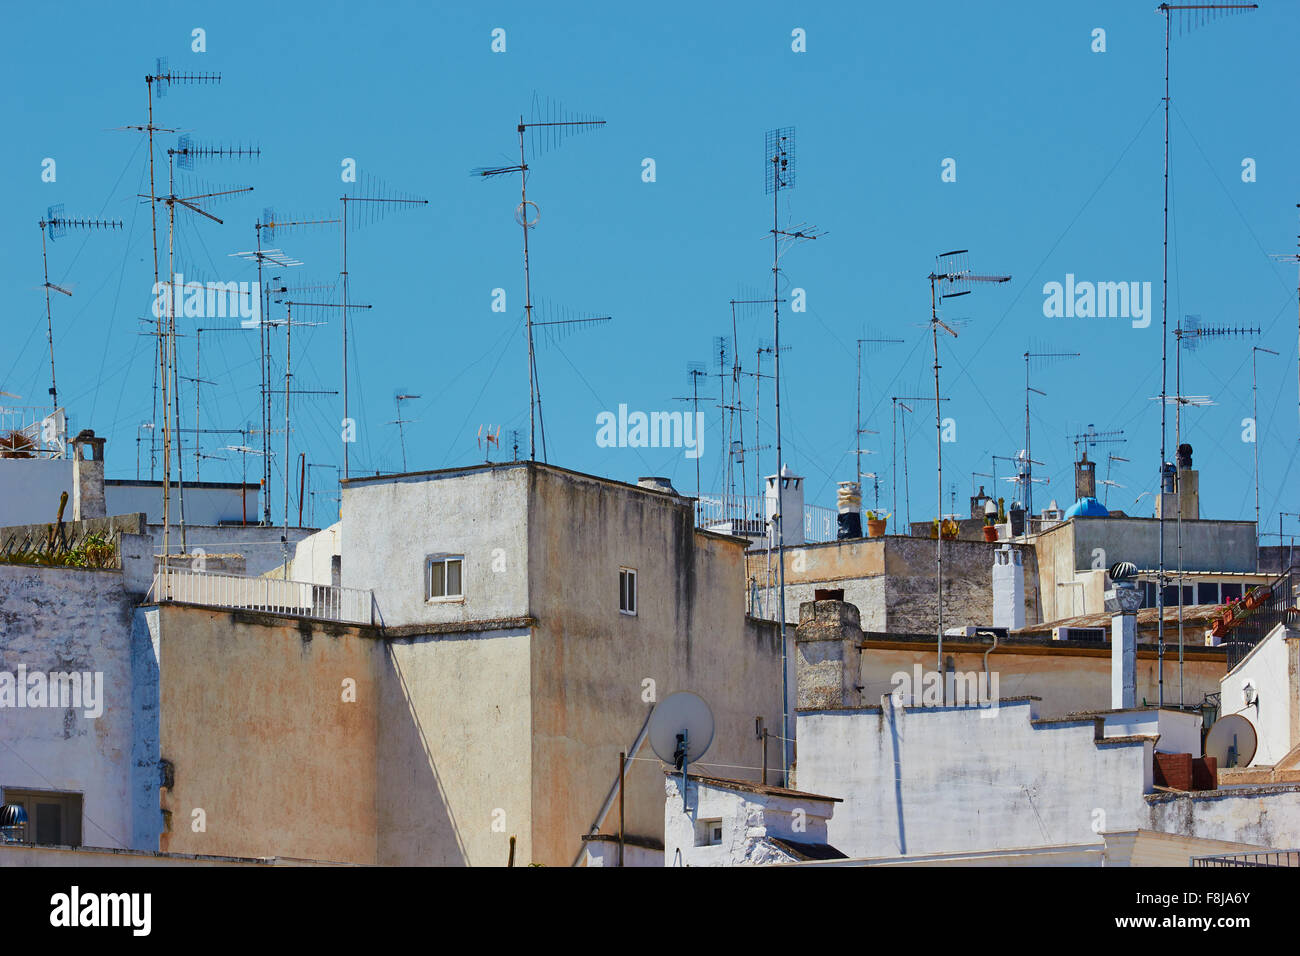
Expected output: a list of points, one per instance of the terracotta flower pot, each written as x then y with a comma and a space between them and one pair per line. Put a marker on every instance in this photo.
990, 533
876, 527
1218, 628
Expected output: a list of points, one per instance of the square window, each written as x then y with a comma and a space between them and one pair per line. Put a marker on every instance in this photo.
708, 833
444, 577
627, 590
1207, 592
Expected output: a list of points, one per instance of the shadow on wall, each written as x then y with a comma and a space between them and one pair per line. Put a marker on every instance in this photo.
416, 824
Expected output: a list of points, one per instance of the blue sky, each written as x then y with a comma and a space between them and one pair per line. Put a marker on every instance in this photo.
1058, 161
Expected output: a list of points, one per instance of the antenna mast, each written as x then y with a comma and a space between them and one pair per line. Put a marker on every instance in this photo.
546, 134
952, 268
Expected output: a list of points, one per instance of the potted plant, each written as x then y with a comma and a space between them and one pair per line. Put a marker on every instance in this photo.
876, 524
990, 529
934, 528
1002, 511
949, 529
1257, 596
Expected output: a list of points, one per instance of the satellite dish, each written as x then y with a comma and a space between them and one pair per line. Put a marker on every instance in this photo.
1233, 733
681, 718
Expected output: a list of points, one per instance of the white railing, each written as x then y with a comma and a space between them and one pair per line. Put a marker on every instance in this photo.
273, 595
745, 514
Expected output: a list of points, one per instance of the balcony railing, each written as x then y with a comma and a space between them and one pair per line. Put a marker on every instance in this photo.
321, 602
745, 515
1263, 858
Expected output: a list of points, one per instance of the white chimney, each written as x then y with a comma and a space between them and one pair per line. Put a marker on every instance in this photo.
88, 476
785, 500
1008, 588
1123, 600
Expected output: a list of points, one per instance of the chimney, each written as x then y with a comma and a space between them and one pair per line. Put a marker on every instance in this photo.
785, 499
977, 503
828, 648
1008, 588
1085, 477
1123, 600
1182, 488
849, 499
88, 476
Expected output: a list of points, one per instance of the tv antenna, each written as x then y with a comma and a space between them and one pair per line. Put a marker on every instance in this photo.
374, 202
549, 126
1254, 417
696, 371
953, 273
1189, 16
779, 173
400, 421
550, 329
875, 343
1038, 360
266, 229
900, 402
55, 224
680, 732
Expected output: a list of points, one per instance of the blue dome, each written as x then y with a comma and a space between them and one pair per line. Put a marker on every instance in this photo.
1087, 508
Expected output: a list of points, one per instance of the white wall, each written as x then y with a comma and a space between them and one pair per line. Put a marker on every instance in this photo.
205, 504
30, 488
936, 780
748, 820
59, 619
1272, 667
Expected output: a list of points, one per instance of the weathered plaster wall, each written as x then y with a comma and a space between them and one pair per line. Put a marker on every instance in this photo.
590, 662
1265, 816
892, 580
65, 619
1067, 683
255, 725
454, 750
390, 526
933, 780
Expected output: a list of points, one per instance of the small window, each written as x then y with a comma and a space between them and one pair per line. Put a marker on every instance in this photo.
1230, 592
708, 833
444, 577
53, 817
1207, 592
627, 590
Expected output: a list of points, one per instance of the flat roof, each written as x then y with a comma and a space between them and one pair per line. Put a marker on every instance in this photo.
749, 786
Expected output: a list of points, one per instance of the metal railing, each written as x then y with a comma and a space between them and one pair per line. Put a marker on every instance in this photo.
1263, 858
322, 602
1242, 637
746, 514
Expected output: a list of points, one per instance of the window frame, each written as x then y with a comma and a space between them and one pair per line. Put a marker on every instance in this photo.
627, 576
443, 559
71, 805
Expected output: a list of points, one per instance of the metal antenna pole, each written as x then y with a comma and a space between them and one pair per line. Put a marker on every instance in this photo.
952, 268
1029, 452
1254, 415
1166, 9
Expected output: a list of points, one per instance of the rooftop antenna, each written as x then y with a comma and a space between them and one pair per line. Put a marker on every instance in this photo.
266, 229
735, 432
858, 431
765, 347
55, 224
952, 276
900, 402
400, 421
1190, 15
169, 359
199, 381
1294, 257
1039, 360
162, 79
779, 173
1111, 459
289, 323
549, 329
549, 126
374, 201
696, 371
1091, 439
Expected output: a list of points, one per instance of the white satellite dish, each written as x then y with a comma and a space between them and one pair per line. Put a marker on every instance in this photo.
681, 728
1231, 741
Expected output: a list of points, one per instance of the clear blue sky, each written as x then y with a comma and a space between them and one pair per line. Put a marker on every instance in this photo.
1058, 157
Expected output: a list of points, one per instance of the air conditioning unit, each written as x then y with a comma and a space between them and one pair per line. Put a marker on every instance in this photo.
977, 630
